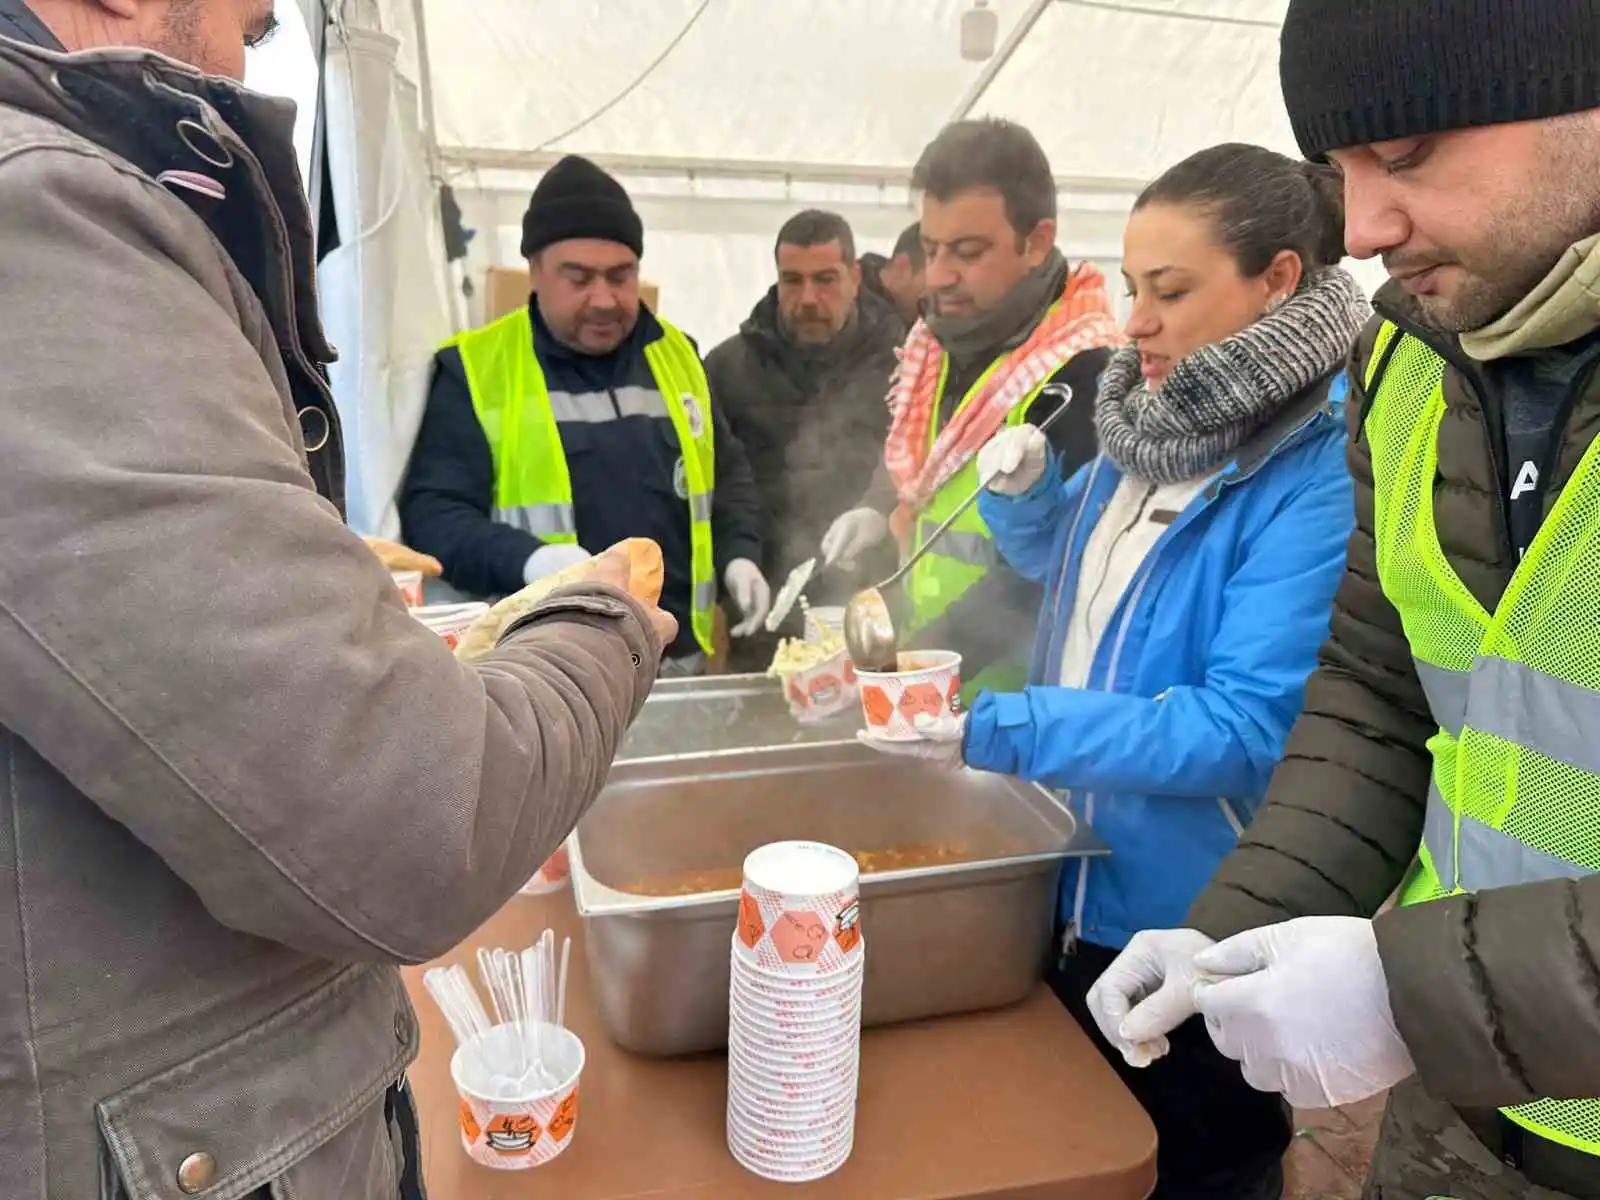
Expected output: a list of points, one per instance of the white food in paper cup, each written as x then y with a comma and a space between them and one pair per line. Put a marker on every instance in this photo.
823, 622
818, 678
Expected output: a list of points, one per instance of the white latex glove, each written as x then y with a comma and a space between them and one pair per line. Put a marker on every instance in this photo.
1013, 460
939, 740
1304, 1008
849, 536
750, 592
1147, 992
547, 560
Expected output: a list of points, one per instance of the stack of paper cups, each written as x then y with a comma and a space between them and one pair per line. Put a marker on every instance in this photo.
794, 1012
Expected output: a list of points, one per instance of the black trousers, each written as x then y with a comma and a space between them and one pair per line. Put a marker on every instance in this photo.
1217, 1137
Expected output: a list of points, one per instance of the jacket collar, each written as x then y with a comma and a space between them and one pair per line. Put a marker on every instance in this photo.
161, 115
18, 22
876, 326
1289, 426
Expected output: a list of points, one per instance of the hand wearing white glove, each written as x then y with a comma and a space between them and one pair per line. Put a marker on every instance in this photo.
1304, 1008
550, 558
1013, 460
1147, 992
851, 535
750, 592
939, 740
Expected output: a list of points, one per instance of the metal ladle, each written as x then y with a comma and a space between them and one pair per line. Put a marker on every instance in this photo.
868, 628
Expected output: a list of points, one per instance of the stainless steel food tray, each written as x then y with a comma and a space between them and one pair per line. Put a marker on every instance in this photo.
716, 714
940, 939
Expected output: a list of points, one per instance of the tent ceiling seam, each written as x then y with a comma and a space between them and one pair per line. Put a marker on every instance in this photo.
1142, 10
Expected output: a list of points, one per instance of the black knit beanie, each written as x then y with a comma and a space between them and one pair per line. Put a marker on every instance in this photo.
1357, 72
576, 199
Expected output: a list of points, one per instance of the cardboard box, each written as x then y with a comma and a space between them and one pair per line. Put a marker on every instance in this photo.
507, 288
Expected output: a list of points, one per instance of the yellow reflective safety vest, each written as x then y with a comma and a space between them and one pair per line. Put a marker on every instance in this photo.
960, 559
532, 485
1515, 794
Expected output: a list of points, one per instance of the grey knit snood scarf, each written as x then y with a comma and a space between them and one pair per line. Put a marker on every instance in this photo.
1217, 397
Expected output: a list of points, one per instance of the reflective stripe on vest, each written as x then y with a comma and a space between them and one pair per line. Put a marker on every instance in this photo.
967, 553
532, 483
1515, 794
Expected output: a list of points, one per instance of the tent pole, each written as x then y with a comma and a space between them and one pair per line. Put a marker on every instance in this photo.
995, 65
469, 159
430, 143
430, 116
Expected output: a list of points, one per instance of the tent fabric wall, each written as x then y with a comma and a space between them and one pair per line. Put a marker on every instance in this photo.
723, 117
382, 287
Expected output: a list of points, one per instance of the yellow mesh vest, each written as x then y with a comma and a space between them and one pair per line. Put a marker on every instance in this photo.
967, 552
1515, 795
532, 486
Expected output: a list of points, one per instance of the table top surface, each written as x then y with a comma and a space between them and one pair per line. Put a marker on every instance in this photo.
1015, 1103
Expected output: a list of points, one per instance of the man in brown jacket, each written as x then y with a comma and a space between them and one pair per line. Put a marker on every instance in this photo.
1448, 743
238, 783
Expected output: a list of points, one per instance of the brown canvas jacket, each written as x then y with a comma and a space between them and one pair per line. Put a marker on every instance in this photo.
238, 782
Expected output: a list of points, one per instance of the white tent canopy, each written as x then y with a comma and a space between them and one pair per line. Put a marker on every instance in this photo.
724, 117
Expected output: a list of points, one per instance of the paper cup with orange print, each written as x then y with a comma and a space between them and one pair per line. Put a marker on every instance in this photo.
551, 877
823, 622
516, 1132
800, 910
928, 682
410, 585
450, 621
822, 691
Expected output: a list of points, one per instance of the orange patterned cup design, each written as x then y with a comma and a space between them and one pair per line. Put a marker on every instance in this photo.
927, 683
799, 910
551, 877
450, 621
524, 1132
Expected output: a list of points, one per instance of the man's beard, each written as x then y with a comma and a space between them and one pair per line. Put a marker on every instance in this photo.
180, 36
1523, 243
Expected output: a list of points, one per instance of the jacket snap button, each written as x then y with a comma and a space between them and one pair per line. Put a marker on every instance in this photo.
637, 661
315, 428
196, 1173
402, 1026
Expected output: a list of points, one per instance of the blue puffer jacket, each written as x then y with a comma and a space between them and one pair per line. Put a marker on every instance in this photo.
1199, 675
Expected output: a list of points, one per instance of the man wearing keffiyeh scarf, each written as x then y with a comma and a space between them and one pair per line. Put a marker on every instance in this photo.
1006, 316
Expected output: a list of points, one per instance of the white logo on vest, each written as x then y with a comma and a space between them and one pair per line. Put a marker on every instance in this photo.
680, 480
691, 410
1527, 479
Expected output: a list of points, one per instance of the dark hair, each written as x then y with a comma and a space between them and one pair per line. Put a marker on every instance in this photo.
990, 153
1262, 202
813, 227
909, 243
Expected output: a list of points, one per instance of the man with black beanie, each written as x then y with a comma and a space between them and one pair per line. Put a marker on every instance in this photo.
1447, 755
580, 420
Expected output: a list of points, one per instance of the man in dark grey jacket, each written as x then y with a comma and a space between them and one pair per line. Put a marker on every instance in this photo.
239, 783
803, 384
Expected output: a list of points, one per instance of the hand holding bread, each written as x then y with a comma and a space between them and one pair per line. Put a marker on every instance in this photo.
634, 566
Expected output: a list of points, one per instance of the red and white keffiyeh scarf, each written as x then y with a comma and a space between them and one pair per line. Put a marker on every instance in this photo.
1080, 320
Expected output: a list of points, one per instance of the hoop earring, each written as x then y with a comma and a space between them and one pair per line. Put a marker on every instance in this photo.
1276, 303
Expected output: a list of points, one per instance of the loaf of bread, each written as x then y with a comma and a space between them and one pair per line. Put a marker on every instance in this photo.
646, 573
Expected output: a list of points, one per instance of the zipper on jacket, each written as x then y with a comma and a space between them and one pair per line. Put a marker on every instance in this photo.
1111, 553
616, 408
1475, 383
1074, 928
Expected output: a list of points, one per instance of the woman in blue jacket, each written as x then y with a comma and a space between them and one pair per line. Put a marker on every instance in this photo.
1189, 572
